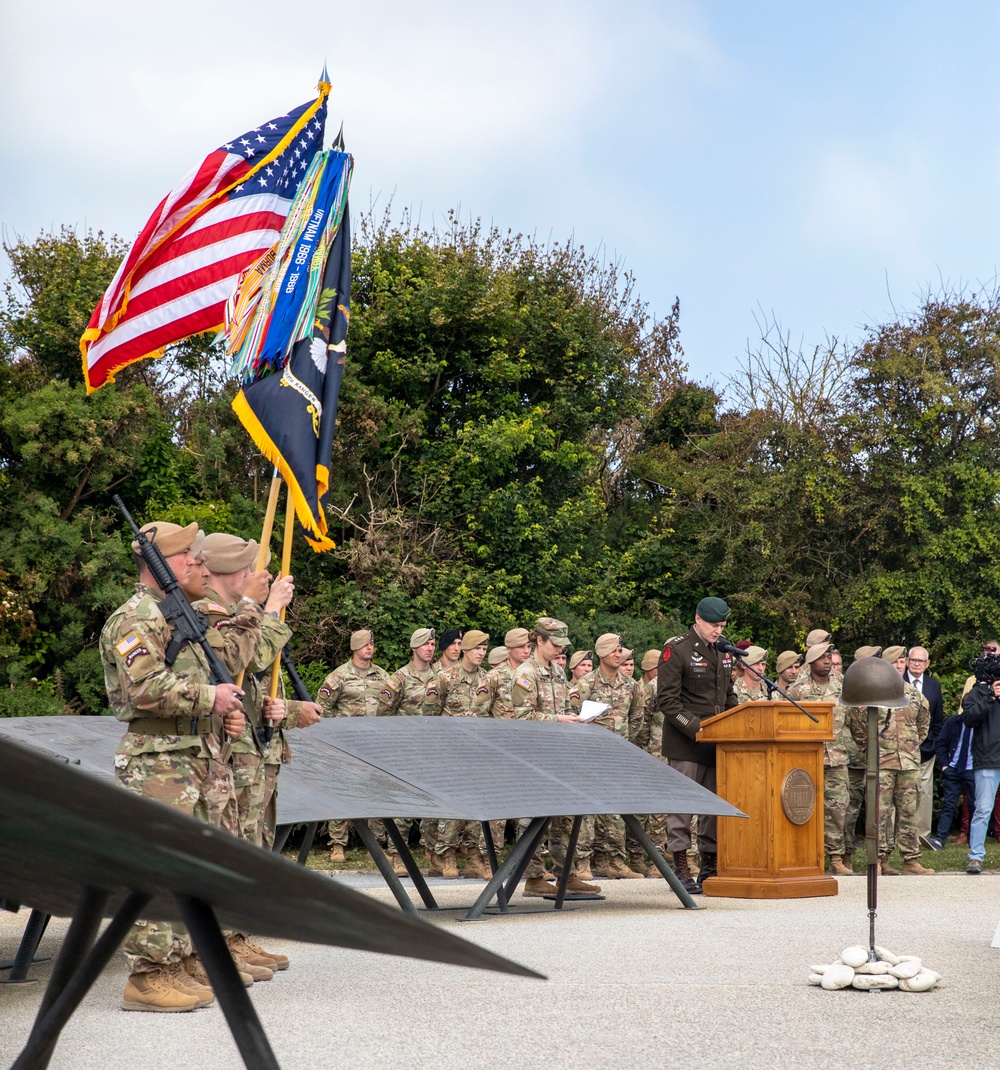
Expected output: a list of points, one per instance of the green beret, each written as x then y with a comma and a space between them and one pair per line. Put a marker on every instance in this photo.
713, 611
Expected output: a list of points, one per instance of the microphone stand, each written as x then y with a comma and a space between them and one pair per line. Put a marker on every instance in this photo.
771, 685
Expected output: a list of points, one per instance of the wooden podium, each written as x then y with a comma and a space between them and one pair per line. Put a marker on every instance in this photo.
770, 764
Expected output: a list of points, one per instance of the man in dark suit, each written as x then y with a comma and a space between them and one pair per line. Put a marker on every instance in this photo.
917, 663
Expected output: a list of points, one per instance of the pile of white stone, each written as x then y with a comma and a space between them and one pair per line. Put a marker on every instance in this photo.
904, 972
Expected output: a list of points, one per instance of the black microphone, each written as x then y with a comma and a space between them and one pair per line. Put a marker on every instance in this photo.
726, 647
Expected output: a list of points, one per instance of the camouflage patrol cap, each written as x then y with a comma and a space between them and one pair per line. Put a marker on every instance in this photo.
474, 638
650, 660
556, 631
421, 636
818, 635
362, 638
168, 538
755, 655
607, 644
786, 659
497, 655
867, 652
816, 651
893, 653
580, 655
713, 611
225, 554
516, 637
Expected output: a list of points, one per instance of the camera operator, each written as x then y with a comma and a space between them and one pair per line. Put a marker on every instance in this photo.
981, 711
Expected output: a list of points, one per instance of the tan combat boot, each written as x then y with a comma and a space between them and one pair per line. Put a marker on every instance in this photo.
600, 864
251, 951
637, 865
583, 870
194, 968
837, 867
337, 854
617, 870
184, 982
885, 868
155, 991
258, 973
398, 867
538, 886
449, 865
914, 867
434, 865
575, 884
474, 867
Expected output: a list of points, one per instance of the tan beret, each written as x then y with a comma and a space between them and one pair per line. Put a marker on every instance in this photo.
168, 538
555, 631
580, 655
867, 652
754, 655
473, 638
421, 636
607, 644
516, 637
362, 638
650, 660
228, 553
786, 659
626, 654
893, 653
817, 651
818, 635
497, 655
199, 541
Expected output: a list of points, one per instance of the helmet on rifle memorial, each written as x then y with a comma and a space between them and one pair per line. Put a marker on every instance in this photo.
873, 682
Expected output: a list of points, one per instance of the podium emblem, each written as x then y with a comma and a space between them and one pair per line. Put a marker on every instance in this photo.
798, 796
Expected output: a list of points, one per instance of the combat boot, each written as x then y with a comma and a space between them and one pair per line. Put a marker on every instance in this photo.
583, 870
913, 866
434, 865
194, 968
250, 951
184, 982
885, 869
257, 972
538, 886
849, 861
575, 884
449, 865
617, 870
474, 867
155, 991
637, 865
337, 854
398, 867
688, 883
708, 867
600, 864
837, 867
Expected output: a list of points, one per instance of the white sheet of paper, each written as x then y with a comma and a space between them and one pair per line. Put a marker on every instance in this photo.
590, 711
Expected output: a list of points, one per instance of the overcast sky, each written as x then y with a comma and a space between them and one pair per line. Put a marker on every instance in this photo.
819, 162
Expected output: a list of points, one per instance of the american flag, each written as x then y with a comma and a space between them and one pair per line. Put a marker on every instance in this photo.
223, 215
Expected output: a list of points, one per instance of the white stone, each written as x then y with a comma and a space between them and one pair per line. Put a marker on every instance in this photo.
905, 970
874, 968
866, 982
815, 978
886, 955
923, 982
854, 956
818, 969
837, 976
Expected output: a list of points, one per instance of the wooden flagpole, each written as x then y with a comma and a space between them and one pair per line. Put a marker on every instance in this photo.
286, 564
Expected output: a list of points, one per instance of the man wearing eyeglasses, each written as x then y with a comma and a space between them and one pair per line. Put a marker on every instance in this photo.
917, 663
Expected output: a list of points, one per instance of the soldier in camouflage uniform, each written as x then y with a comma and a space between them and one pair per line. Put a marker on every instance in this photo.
749, 687
655, 825
624, 716
901, 731
403, 696
822, 686
352, 690
539, 694
451, 650
580, 664
494, 697
172, 750
452, 693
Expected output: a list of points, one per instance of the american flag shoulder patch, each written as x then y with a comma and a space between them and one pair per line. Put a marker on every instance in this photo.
130, 642
523, 681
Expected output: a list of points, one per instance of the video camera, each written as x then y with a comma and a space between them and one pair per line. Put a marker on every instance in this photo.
986, 667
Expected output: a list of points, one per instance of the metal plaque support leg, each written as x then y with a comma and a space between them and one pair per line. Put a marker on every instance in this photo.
378, 856
307, 842
491, 854
514, 864
34, 930
77, 967
251, 1040
635, 827
281, 834
567, 869
404, 852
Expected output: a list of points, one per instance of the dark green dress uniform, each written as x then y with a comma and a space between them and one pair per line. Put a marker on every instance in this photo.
694, 681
